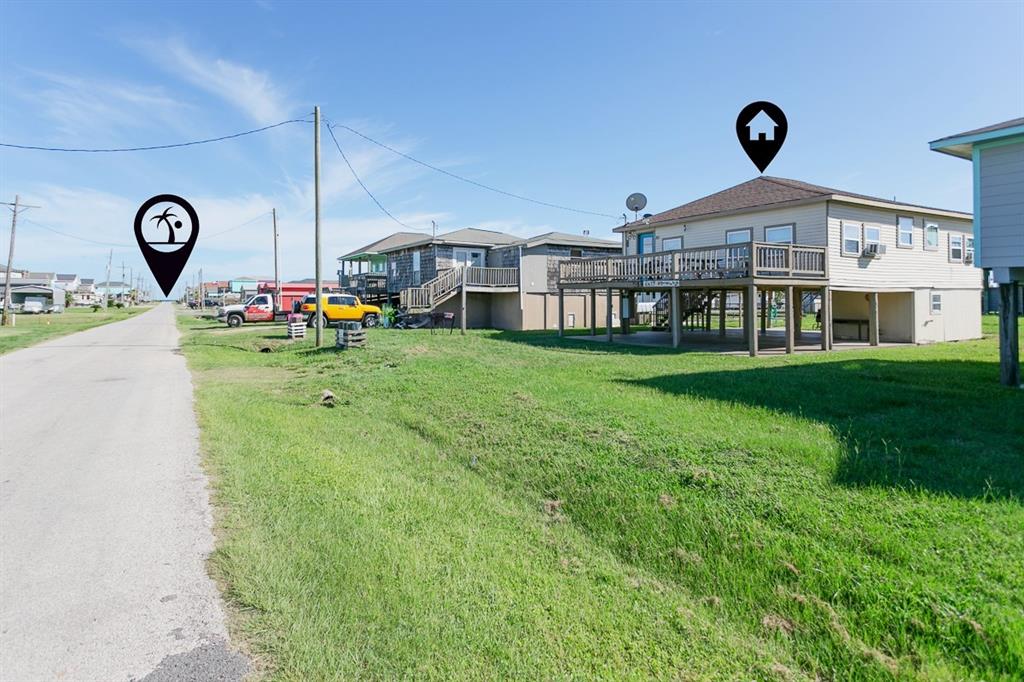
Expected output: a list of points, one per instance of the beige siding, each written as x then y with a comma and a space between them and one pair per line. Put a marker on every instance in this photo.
959, 320
505, 311
540, 311
899, 268
809, 221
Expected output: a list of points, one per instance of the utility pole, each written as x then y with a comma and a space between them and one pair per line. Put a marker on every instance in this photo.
202, 297
316, 239
10, 257
131, 288
106, 296
277, 279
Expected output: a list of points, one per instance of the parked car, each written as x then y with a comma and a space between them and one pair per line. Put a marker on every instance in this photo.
258, 308
33, 307
340, 308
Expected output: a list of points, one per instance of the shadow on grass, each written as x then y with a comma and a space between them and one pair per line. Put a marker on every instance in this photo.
550, 339
944, 426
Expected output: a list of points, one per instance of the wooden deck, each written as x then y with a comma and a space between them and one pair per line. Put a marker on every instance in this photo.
733, 265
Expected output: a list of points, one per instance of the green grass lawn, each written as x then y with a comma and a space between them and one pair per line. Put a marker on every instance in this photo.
31, 329
515, 505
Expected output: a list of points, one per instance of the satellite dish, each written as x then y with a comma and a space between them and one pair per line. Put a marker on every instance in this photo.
636, 202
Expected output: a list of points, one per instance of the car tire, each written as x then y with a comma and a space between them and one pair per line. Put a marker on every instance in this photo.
235, 320
370, 320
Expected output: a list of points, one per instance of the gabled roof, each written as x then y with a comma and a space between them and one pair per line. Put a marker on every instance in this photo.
769, 192
112, 284
31, 289
565, 239
962, 144
397, 239
469, 236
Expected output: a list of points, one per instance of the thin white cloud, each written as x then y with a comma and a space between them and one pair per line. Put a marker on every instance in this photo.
251, 91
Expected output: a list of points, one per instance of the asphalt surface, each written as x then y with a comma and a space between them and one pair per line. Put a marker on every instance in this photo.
105, 522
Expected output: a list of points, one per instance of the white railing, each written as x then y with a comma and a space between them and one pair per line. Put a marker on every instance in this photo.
437, 290
492, 277
731, 261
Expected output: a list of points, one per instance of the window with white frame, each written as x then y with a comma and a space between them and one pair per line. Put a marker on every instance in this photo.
851, 238
741, 236
415, 261
956, 248
394, 267
905, 232
671, 243
968, 249
779, 234
872, 235
931, 236
936, 304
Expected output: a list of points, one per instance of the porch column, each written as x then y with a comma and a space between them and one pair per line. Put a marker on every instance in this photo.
750, 318
561, 311
722, 298
608, 314
463, 308
873, 318
674, 318
798, 313
1009, 346
790, 319
826, 318
708, 297
593, 312
764, 311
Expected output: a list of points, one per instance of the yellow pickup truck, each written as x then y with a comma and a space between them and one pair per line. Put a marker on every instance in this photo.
340, 308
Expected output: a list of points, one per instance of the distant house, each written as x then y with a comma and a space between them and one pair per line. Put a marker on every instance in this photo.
485, 278
880, 270
85, 293
119, 291
38, 285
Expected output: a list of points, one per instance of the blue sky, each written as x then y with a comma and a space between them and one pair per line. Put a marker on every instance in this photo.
570, 103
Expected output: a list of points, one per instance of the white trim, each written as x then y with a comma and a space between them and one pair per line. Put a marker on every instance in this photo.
959, 237
938, 237
843, 224
900, 232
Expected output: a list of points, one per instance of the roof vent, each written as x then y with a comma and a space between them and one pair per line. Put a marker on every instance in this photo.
648, 215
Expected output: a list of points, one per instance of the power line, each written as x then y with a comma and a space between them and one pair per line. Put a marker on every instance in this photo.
467, 180
365, 188
201, 238
160, 146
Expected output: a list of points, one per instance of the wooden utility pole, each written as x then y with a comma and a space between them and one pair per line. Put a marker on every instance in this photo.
10, 257
106, 294
1009, 348
202, 296
319, 322
277, 278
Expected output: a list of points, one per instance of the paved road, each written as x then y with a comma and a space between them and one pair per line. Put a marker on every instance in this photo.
105, 522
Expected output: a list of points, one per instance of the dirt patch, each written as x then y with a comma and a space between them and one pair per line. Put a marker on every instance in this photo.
777, 623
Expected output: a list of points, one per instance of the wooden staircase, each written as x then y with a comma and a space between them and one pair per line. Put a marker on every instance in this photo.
448, 283
694, 304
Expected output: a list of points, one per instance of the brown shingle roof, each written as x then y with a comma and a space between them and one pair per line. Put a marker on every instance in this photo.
1012, 123
761, 192
391, 241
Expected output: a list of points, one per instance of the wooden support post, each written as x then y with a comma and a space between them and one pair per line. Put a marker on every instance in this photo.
722, 298
463, 308
675, 319
561, 311
593, 312
1009, 346
873, 318
826, 318
798, 313
708, 297
790, 320
764, 311
608, 314
750, 318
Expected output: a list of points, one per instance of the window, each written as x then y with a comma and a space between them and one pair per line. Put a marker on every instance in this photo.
851, 238
394, 267
739, 236
334, 300
346, 300
779, 234
415, 261
378, 266
956, 248
572, 319
905, 232
575, 253
968, 249
931, 236
671, 243
872, 234
936, 304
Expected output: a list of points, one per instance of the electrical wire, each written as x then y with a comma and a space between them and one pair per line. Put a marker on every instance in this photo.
365, 188
201, 238
160, 146
467, 180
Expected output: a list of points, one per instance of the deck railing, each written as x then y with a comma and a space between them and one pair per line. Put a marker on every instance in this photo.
448, 281
373, 282
731, 261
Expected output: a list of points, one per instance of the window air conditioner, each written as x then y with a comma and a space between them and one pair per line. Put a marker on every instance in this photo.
873, 250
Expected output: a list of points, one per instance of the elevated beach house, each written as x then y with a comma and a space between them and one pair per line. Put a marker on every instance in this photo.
484, 278
875, 270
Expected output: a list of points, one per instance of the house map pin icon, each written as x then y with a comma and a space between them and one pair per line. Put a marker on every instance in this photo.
761, 128
160, 224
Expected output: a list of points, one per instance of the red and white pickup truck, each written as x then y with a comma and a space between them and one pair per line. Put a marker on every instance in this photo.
259, 308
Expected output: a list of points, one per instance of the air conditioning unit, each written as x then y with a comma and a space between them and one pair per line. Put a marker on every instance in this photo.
873, 250
968, 258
